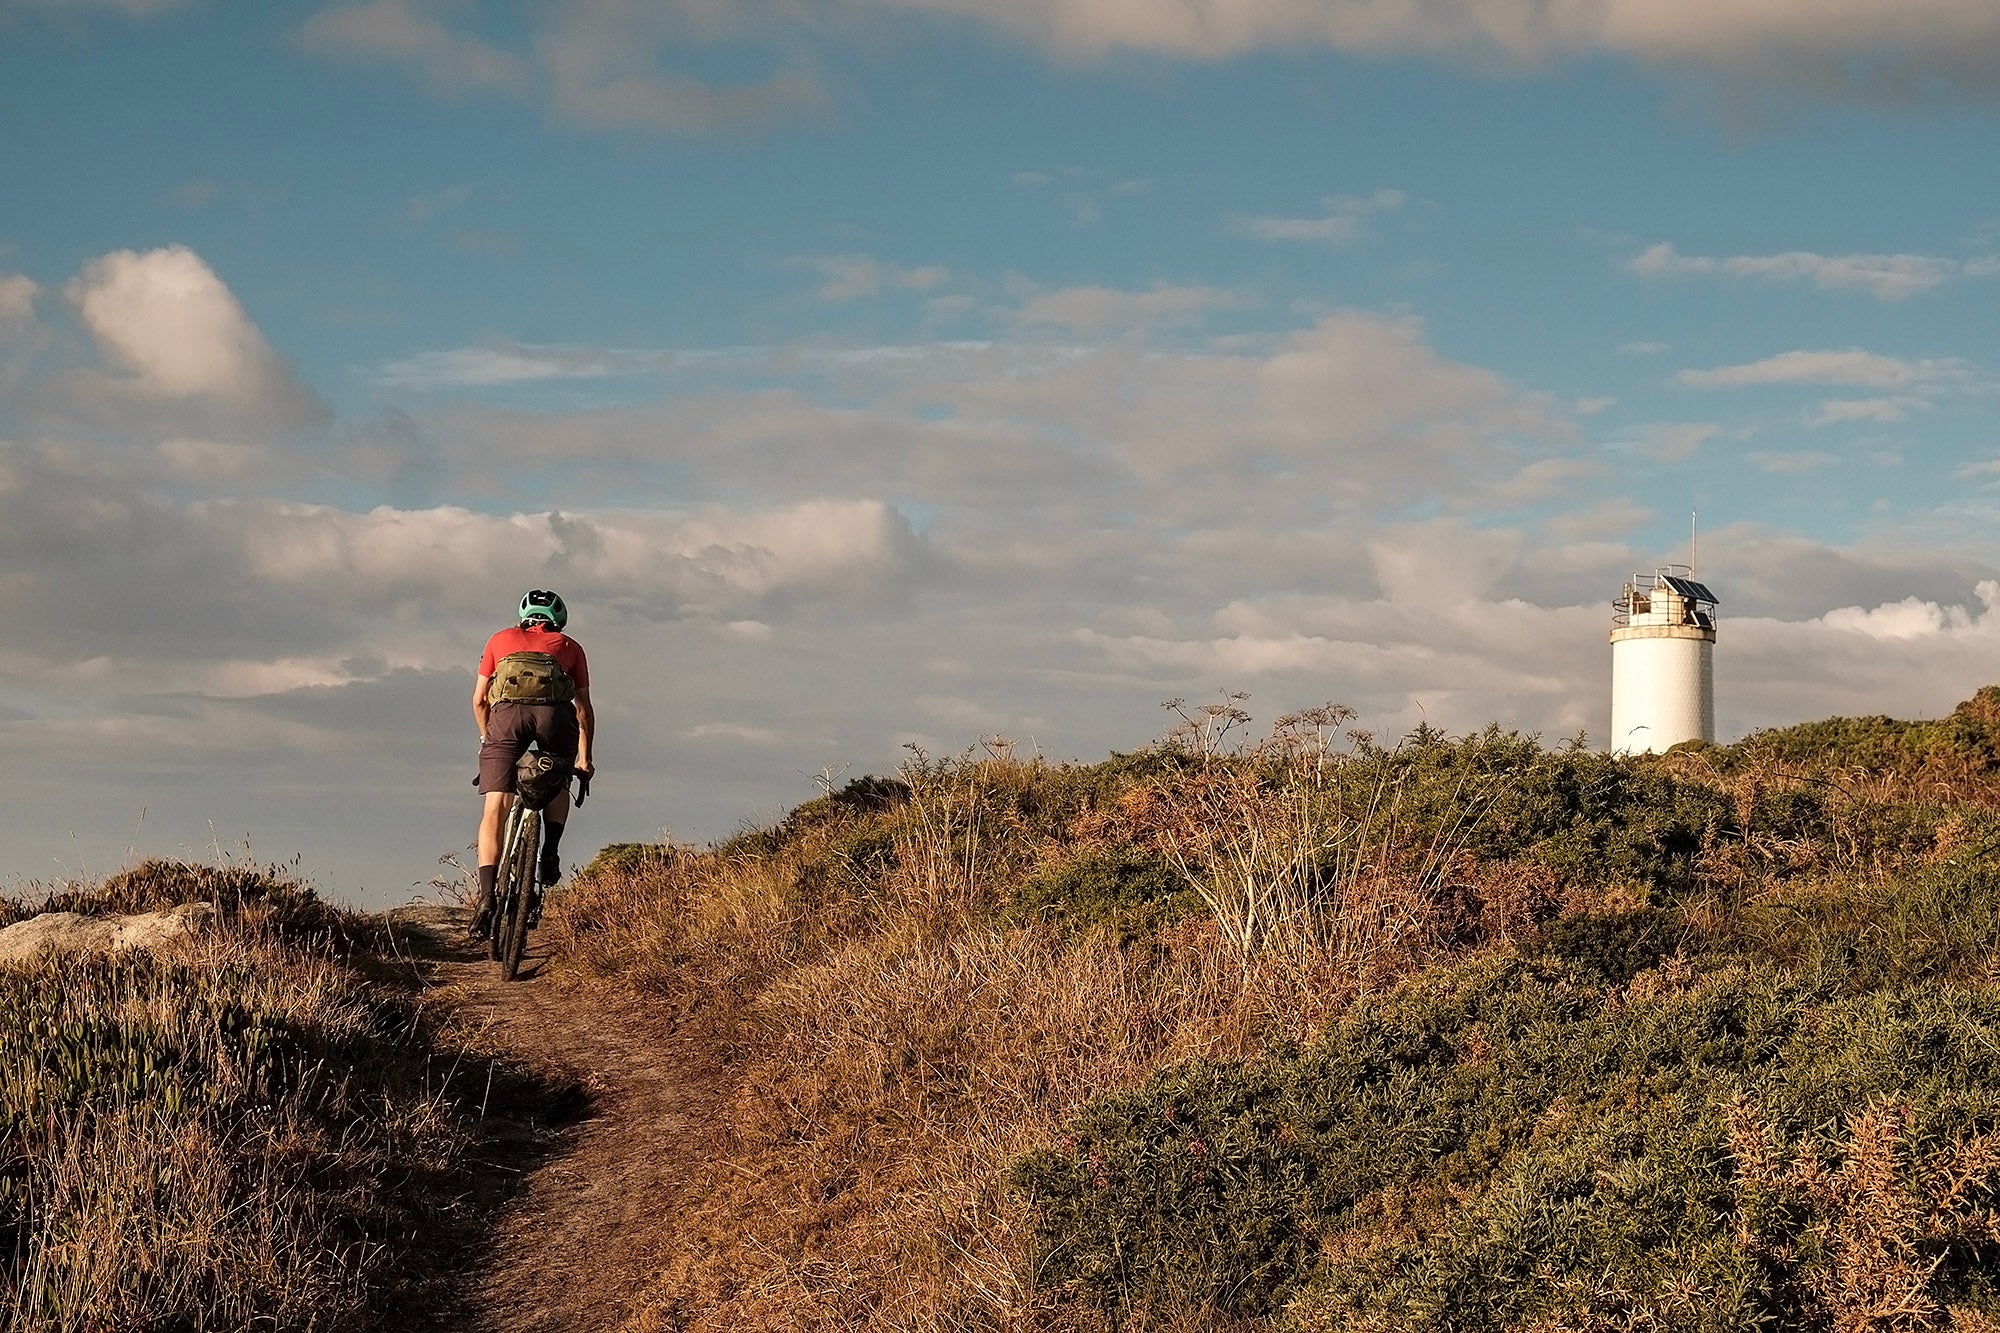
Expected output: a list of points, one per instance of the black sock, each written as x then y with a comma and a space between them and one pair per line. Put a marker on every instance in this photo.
489, 878
551, 838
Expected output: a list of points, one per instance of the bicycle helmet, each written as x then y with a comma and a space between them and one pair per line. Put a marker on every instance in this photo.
541, 604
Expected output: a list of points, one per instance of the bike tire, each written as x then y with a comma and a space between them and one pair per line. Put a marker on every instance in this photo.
497, 911
501, 910
522, 872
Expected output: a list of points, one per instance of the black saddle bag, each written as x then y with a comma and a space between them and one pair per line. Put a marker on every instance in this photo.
539, 778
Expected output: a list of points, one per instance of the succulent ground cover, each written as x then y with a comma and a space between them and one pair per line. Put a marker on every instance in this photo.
240, 1131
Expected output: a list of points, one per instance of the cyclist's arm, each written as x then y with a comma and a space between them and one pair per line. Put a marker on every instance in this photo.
586, 728
479, 705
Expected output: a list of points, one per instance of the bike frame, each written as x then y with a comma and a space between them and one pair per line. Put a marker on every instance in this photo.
515, 892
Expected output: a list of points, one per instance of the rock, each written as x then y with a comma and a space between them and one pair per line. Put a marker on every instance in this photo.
428, 929
72, 932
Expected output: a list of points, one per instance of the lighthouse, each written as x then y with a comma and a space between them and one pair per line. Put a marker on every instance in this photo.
1662, 662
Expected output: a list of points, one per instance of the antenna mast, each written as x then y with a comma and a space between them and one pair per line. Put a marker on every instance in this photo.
1694, 543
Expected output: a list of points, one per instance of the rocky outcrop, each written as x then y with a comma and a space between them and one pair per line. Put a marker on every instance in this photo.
71, 932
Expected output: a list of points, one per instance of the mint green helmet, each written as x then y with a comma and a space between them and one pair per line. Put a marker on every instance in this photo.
541, 604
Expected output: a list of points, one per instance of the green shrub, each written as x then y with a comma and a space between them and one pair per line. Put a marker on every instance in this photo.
1610, 948
1124, 888
628, 858
1501, 1143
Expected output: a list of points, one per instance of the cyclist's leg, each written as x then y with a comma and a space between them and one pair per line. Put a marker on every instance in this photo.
492, 825
508, 733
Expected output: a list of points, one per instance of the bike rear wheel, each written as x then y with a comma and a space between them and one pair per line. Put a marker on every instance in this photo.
520, 898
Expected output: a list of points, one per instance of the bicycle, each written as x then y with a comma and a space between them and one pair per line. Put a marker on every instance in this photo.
539, 779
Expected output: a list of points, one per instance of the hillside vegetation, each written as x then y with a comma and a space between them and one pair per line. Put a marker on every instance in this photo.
1317, 1033
250, 1129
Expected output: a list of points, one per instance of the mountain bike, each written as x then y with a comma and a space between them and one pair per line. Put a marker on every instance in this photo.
538, 779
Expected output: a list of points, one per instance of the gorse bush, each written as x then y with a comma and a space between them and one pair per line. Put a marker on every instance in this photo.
1509, 1143
1123, 888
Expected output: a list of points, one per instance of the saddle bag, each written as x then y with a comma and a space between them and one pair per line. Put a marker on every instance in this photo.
539, 778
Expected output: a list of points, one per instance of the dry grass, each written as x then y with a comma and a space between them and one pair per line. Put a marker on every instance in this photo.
898, 1034
896, 1045
235, 1131
1872, 1217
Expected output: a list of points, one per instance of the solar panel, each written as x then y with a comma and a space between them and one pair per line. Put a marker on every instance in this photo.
1688, 588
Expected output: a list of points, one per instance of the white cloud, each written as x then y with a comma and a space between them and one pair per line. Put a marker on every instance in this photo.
167, 319
599, 63
491, 367
409, 33
599, 79
850, 277
1345, 219
595, 63
1871, 48
1615, 518
1092, 309
17, 298
1887, 277
212, 460
1912, 618
1849, 366
1836, 411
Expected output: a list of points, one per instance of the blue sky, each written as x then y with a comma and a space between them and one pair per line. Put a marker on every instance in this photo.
872, 371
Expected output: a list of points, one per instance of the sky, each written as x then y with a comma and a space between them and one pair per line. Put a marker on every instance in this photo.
869, 373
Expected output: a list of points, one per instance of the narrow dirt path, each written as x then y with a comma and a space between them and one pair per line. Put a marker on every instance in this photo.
577, 1242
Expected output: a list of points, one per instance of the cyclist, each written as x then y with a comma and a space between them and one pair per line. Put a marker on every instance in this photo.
533, 685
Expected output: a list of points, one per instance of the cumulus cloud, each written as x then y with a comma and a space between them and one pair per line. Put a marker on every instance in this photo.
178, 332
1849, 366
1886, 277
1911, 618
1345, 218
98, 564
17, 298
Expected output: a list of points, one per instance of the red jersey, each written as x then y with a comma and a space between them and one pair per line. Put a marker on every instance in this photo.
538, 639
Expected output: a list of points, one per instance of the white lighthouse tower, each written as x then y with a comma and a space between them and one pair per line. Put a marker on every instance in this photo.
1662, 662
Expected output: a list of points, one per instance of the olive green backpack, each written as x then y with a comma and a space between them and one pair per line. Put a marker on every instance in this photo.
530, 678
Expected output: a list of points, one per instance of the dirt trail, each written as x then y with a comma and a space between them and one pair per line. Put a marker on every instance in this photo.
576, 1242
